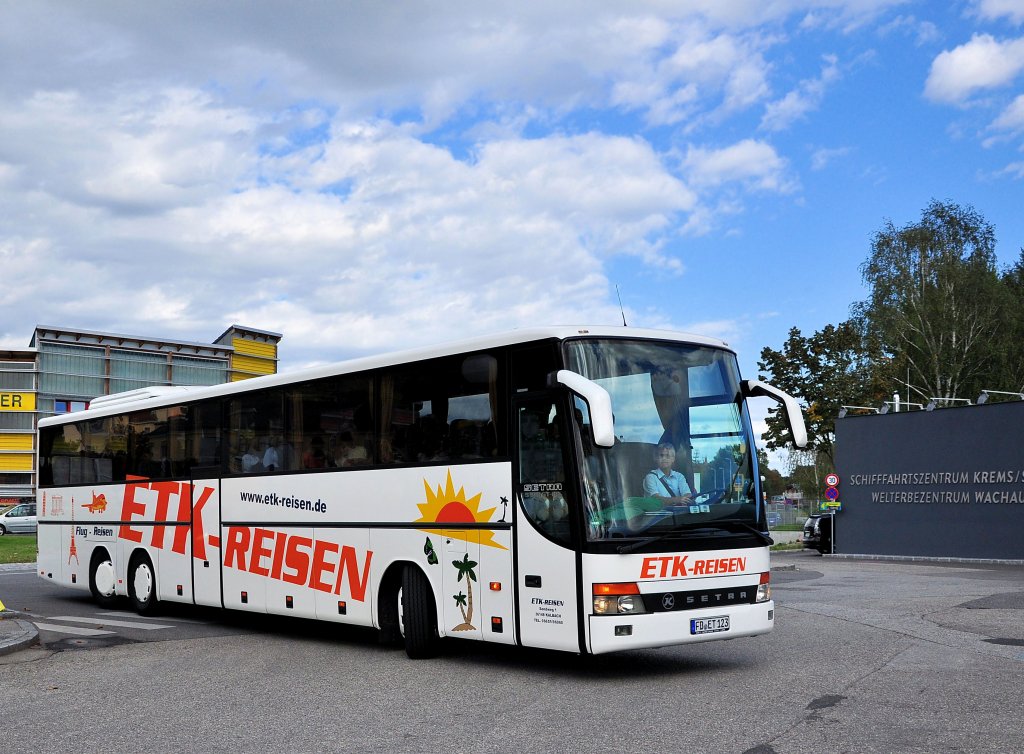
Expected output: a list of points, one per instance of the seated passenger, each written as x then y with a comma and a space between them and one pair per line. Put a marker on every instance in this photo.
251, 460
665, 482
271, 462
349, 453
315, 458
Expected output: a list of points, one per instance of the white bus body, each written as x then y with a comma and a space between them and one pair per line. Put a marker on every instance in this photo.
475, 491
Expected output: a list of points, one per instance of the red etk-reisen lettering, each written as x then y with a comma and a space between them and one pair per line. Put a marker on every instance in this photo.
303, 561
317, 564
131, 507
675, 566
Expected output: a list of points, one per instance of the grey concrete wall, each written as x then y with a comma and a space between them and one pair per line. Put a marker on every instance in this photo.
944, 483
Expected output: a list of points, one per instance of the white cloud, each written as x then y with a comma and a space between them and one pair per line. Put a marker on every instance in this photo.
923, 32
781, 114
1012, 118
1015, 170
692, 71
991, 10
982, 63
135, 154
418, 245
748, 162
821, 158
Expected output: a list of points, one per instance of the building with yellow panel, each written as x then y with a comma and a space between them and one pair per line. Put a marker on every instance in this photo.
18, 390
253, 352
64, 369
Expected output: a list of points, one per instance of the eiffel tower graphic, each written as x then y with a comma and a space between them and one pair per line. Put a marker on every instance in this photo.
73, 551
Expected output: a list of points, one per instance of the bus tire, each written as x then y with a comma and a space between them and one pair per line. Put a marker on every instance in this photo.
390, 609
419, 615
142, 584
102, 579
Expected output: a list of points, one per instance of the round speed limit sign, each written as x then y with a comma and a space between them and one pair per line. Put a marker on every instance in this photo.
832, 480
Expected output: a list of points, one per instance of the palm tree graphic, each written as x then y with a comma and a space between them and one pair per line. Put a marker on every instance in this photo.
465, 567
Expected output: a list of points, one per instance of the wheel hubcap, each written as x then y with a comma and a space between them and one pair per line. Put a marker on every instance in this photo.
104, 578
143, 583
401, 615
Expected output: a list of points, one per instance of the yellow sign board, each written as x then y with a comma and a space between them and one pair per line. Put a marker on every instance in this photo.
17, 401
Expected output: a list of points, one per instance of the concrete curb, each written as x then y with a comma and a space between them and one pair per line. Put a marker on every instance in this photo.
15, 632
933, 559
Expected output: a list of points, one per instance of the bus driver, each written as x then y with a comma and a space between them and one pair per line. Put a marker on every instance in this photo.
664, 481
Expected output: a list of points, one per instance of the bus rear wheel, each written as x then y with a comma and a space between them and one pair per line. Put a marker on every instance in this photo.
418, 615
101, 579
142, 584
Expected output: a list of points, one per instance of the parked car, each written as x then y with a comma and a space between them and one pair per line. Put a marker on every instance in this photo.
19, 519
818, 532
774, 519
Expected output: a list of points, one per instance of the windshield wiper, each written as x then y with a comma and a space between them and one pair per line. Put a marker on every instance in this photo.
743, 526
728, 524
675, 533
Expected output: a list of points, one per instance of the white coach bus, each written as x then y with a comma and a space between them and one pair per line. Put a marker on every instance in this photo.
588, 490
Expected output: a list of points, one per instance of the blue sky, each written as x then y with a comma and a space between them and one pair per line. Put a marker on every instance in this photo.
364, 176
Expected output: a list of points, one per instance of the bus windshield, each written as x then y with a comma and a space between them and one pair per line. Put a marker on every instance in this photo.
681, 461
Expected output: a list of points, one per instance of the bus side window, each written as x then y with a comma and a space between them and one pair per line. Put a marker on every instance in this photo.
196, 432
542, 479
147, 444
442, 410
255, 421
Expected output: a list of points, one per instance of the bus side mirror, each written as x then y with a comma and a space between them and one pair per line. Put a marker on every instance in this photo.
598, 400
794, 417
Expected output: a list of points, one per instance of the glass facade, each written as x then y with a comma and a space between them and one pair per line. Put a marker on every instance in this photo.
186, 370
71, 370
130, 370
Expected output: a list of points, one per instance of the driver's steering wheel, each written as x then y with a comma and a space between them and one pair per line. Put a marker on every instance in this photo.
710, 497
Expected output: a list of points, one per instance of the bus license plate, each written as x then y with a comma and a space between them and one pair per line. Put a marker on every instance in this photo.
709, 625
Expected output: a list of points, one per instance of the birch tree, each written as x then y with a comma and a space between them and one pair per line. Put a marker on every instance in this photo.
935, 298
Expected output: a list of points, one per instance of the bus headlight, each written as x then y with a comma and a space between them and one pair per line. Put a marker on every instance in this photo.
632, 604
618, 599
764, 589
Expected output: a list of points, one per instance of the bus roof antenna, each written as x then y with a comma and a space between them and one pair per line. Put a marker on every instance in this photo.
621, 310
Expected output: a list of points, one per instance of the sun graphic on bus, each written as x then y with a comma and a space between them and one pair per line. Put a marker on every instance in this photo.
446, 506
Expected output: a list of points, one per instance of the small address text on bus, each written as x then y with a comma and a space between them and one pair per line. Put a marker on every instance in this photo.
284, 501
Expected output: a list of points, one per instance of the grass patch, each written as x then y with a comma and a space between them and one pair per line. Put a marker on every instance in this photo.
18, 548
787, 546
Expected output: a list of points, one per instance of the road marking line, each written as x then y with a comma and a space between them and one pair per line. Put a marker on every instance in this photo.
106, 622
71, 630
119, 614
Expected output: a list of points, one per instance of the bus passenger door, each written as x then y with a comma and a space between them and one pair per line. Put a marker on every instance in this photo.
546, 563
205, 540
462, 581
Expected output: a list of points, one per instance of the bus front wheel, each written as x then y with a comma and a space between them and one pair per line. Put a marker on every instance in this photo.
418, 615
142, 584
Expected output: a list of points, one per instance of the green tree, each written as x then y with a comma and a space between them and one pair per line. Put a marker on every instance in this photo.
832, 368
935, 299
773, 484
807, 473
1008, 373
